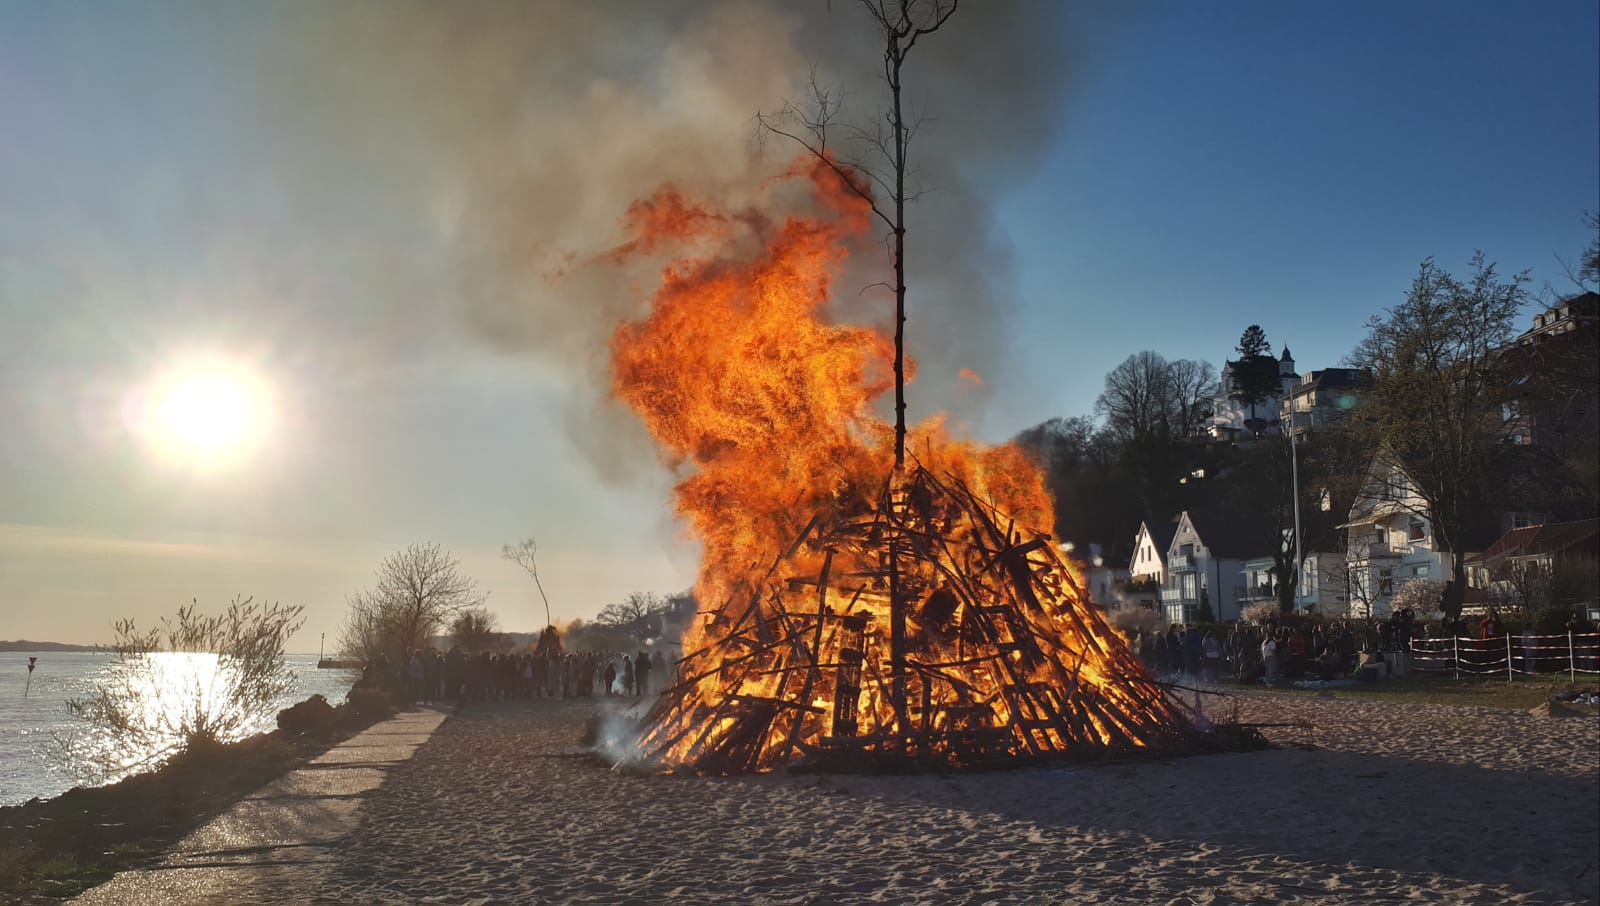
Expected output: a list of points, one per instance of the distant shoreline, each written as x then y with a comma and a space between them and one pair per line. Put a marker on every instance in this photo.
25, 645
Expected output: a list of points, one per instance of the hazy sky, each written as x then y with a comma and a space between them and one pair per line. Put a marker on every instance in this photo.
358, 206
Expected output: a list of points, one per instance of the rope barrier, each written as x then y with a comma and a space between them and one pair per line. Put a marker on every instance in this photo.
1570, 653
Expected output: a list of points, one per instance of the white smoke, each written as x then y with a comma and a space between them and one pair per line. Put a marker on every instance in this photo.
526, 129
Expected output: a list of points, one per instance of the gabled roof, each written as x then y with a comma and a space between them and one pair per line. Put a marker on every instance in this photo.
1331, 378
1161, 534
1227, 538
1385, 490
1536, 540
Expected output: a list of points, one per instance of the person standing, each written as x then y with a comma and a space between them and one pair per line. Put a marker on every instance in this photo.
1213, 653
641, 670
1193, 654
1269, 658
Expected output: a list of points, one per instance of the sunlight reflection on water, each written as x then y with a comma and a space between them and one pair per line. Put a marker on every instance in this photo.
159, 700
34, 727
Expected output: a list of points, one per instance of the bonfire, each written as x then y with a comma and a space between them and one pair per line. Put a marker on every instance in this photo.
853, 611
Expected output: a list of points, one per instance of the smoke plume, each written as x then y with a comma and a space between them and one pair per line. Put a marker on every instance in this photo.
523, 132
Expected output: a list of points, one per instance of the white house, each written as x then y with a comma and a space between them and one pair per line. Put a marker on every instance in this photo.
1390, 542
1228, 416
1323, 589
1321, 398
1205, 562
1101, 579
1150, 551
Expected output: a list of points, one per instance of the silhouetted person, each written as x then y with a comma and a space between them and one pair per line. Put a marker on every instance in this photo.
641, 670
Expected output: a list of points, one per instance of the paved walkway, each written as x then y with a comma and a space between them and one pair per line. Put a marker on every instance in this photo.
279, 837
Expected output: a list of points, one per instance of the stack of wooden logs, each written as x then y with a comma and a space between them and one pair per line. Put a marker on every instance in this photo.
1005, 659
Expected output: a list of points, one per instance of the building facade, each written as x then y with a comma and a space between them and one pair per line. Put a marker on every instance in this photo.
1205, 565
1229, 417
1322, 397
1390, 541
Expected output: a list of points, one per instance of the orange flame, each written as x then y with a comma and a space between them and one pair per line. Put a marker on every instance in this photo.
768, 410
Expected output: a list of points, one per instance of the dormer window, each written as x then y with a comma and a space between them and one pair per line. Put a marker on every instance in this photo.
1417, 530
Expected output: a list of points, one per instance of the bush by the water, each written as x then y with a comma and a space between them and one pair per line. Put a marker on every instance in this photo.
312, 717
197, 681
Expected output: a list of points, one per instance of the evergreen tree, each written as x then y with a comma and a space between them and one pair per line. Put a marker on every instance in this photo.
1255, 374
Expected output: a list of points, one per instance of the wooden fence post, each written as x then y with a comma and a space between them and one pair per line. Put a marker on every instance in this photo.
1572, 658
1455, 646
1509, 677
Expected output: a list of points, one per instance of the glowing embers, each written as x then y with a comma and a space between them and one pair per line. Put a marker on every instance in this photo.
1002, 659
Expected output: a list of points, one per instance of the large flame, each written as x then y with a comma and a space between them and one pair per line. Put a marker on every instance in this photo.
768, 409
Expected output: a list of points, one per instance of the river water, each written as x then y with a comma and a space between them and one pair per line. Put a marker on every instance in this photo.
32, 726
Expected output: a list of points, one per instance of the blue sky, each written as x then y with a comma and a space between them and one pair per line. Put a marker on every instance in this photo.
352, 201
1290, 165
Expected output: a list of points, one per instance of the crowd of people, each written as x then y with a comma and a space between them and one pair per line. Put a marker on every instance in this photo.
430, 675
1270, 652
1275, 651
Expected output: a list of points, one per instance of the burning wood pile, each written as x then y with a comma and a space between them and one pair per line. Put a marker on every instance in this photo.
917, 624
1000, 658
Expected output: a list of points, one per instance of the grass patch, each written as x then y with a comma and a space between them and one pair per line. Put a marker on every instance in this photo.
1484, 692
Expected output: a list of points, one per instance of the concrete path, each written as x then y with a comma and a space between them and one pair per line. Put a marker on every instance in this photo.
274, 844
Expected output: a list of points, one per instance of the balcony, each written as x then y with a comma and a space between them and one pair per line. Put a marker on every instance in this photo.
1245, 594
1374, 551
1181, 563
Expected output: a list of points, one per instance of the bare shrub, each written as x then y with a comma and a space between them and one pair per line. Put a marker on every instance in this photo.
1261, 611
1423, 596
193, 683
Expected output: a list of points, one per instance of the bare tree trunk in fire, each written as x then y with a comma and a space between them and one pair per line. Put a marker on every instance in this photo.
902, 23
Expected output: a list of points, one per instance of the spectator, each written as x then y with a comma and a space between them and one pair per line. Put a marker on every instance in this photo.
641, 670
1269, 659
1213, 657
1491, 627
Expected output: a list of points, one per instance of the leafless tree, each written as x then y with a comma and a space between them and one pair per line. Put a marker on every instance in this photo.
477, 629
525, 554
1438, 385
883, 166
638, 614
883, 162
1148, 398
417, 592
1193, 385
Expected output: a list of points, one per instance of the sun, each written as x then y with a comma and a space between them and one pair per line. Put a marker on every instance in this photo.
206, 413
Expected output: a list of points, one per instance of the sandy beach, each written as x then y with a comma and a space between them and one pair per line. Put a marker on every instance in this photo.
1369, 803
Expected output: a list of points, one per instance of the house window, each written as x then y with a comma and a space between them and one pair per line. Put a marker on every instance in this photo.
1188, 586
1416, 530
1385, 581
1420, 572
